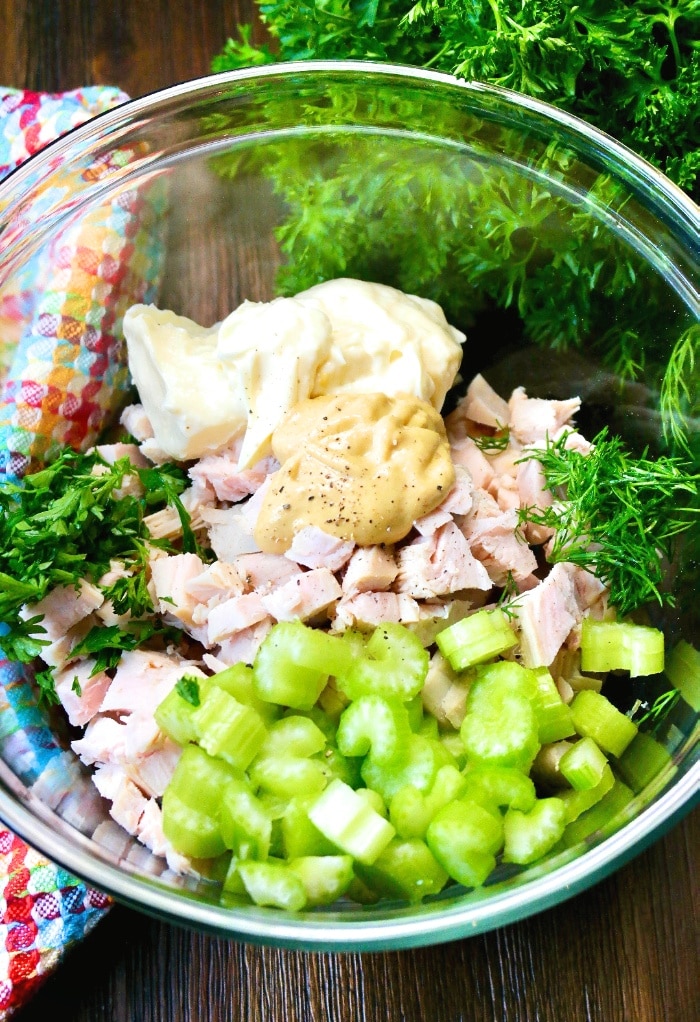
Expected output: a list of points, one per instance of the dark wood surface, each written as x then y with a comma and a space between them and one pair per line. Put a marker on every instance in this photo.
625, 950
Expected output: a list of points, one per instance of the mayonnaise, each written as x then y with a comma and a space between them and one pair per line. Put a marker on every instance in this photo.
362, 467
202, 388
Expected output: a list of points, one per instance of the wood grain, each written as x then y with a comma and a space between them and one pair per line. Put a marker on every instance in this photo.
627, 949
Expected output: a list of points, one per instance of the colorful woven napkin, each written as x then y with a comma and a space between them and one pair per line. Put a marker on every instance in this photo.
60, 365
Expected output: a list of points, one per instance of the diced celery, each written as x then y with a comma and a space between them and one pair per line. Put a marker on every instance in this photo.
595, 717
414, 708
583, 765
346, 768
349, 822
175, 717
428, 728
452, 742
233, 883
497, 786
416, 766
683, 671
274, 884
300, 837
323, 721
618, 645
373, 722
278, 674
238, 680
642, 761
325, 877
476, 639
553, 715
578, 802
359, 892
287, 776
293, 736
245, 826
199, 780
229, 729
601, 815
529, 836
406, 870
412, 810
373, 799
500, 726
394, 664
464, 838
190, 831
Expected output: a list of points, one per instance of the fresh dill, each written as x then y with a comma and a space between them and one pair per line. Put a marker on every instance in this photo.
615, 514
492, 443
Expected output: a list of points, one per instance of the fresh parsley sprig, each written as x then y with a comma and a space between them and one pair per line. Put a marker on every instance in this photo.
616, 514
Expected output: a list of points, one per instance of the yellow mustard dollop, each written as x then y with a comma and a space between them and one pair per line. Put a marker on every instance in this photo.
361, 467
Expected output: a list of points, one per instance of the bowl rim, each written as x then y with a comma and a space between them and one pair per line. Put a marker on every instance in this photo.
462, 918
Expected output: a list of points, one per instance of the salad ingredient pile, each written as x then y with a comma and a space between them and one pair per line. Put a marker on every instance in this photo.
362, 665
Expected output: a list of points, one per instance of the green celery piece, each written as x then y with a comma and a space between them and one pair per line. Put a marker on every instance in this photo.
406, 870
293, 736
601, 815
595, 717
373, 799
325, 877
476, 639
642, 761
376, 723
412, 810
300, 837
465, 838
346, 768
553, 715
323, 721
280, 677
233, 885
500, 725
229, 729
287, 776
583, 765
245, 825
578, 802
200, 779
239, 681
417, 766
394, 664
452, 742
529, 836
349, 822
416, 717
175, 717
495, 787
617, 645
272, 883
191, 831
683, 671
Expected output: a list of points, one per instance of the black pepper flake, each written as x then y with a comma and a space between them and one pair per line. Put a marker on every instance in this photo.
286, 507
311, 497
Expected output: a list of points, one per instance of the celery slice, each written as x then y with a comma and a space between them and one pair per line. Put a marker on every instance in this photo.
500, 725
529, 836
406, 870
200, 779
349, 822
412, 810
642, 761
595, 717
601, 815
553, 715
300, 837
190, 831
617, 645
464, 838
239, 681
495, 787
175, 716
683, 671
228, 729
245, 826
325, 877
286, 776
272, 884
578, 802
583, 765
279, 676
417, 766
373, 722
476, 639
293, 736
394, 664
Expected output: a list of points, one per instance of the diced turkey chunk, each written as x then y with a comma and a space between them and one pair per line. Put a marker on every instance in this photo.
371, 568
171, 576
241, 648
265, 572
498, 544
460, 498
128, 806
429, 524
136, 422
152, 773
235, 615
533, 418
218, 581
112, 453
482, 404
546, 615
80, 691
367, 610
315, 548
64, 607
444, 693
533, 493
230, 532
466, 454
438, 565
103, 742
220, 472
60, 652
143, 679
303, 596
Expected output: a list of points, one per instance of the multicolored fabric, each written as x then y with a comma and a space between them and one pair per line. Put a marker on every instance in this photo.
61, 368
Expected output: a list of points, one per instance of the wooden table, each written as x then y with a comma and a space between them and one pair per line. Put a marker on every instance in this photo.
625, 951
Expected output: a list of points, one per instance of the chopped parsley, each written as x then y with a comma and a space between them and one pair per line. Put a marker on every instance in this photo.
188, 689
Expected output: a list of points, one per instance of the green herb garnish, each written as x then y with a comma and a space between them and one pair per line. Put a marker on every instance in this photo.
188, 688
617, 516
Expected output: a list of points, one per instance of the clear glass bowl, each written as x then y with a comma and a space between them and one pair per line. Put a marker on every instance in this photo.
239, 185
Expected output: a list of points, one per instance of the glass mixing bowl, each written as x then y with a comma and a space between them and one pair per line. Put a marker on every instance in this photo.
562, 255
